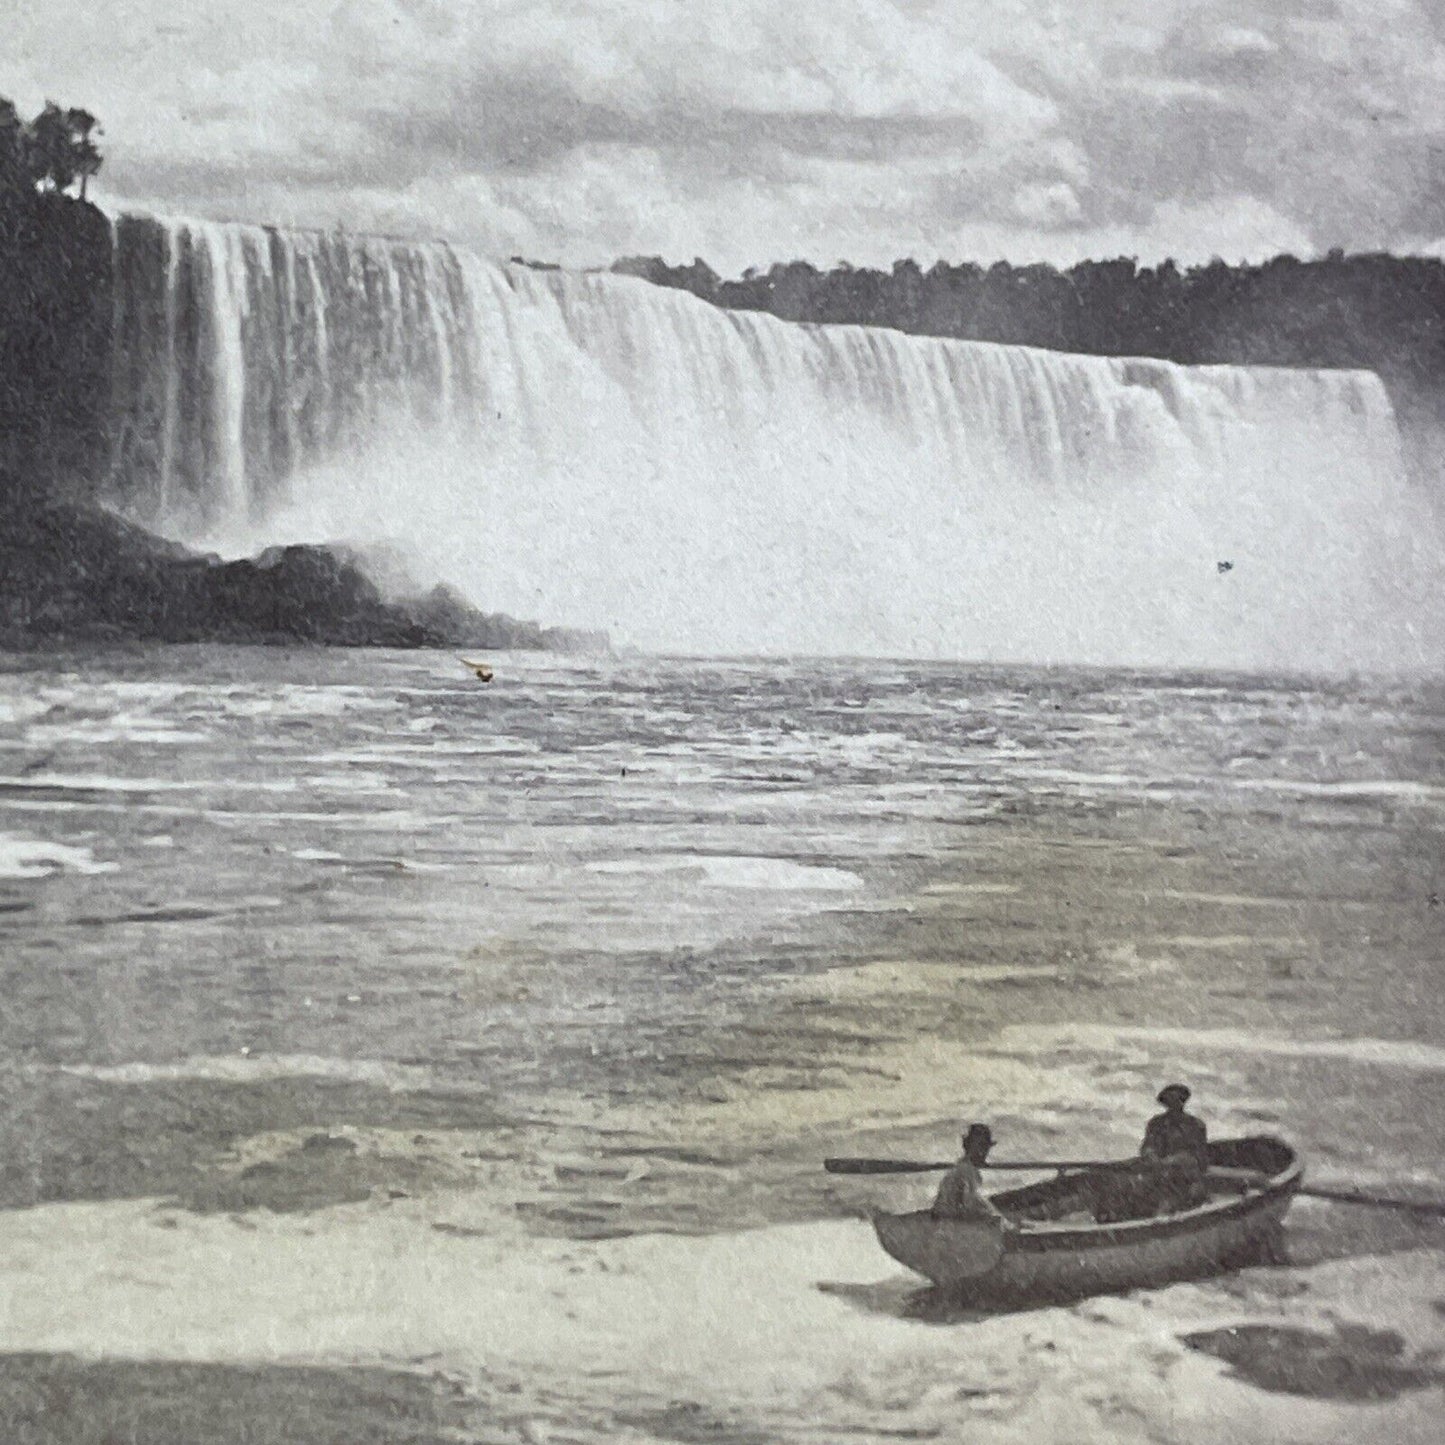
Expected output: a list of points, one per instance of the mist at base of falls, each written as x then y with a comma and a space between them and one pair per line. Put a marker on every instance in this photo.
594, 451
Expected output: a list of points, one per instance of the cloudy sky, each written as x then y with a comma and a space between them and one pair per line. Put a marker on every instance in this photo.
760, 130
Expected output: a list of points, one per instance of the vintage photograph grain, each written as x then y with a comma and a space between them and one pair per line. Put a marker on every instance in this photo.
722, 724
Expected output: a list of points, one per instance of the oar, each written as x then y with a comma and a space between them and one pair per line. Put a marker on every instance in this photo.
1432, 1208
913, 1166
879, 1166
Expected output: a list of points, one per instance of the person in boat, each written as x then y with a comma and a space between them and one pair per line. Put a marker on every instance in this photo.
1174, 1132
1175, 1152
1169, 1173
960, 1194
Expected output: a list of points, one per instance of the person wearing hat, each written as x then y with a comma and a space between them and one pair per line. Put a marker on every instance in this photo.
1175, 1132
1176, 1150
1169, 1173
960, 1195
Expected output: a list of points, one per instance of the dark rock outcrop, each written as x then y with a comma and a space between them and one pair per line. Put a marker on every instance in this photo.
71, 572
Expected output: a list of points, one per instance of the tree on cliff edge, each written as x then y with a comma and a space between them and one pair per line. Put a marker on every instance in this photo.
52, 152
63, 148
84, 127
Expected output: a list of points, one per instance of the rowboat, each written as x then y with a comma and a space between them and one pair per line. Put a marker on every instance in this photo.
1059, 1250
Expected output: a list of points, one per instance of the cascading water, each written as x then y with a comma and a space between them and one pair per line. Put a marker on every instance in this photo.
595, 450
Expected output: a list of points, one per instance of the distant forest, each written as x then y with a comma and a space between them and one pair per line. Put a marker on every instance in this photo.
1381, 312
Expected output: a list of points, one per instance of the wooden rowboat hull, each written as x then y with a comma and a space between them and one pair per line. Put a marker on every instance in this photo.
1045, 1259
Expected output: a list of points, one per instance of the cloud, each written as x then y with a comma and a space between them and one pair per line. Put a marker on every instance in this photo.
1053, 205
1233, 228
762, 129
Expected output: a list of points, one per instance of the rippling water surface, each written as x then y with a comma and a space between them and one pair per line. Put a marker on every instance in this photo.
315, 959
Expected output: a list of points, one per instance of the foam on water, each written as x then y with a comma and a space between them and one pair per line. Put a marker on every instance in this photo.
1374, 1053
892, 979
35, 858
745, 873
1403, 790
251, 1068
143, 732
297, 700
18, 710
100, 783
1231, 900
372, 783
799, 1332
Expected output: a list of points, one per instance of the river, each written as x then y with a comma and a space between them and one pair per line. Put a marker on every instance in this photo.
485, 1041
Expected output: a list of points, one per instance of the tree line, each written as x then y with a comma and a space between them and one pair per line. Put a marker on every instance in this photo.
1382, 312
53, 151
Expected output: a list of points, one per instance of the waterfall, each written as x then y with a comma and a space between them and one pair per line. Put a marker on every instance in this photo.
592, 449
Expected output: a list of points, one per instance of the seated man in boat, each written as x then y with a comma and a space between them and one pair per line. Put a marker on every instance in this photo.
1174, 1131
1170, 1173
960, 1195
1176, 1151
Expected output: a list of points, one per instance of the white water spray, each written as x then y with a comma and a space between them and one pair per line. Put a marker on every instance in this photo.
594, 450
